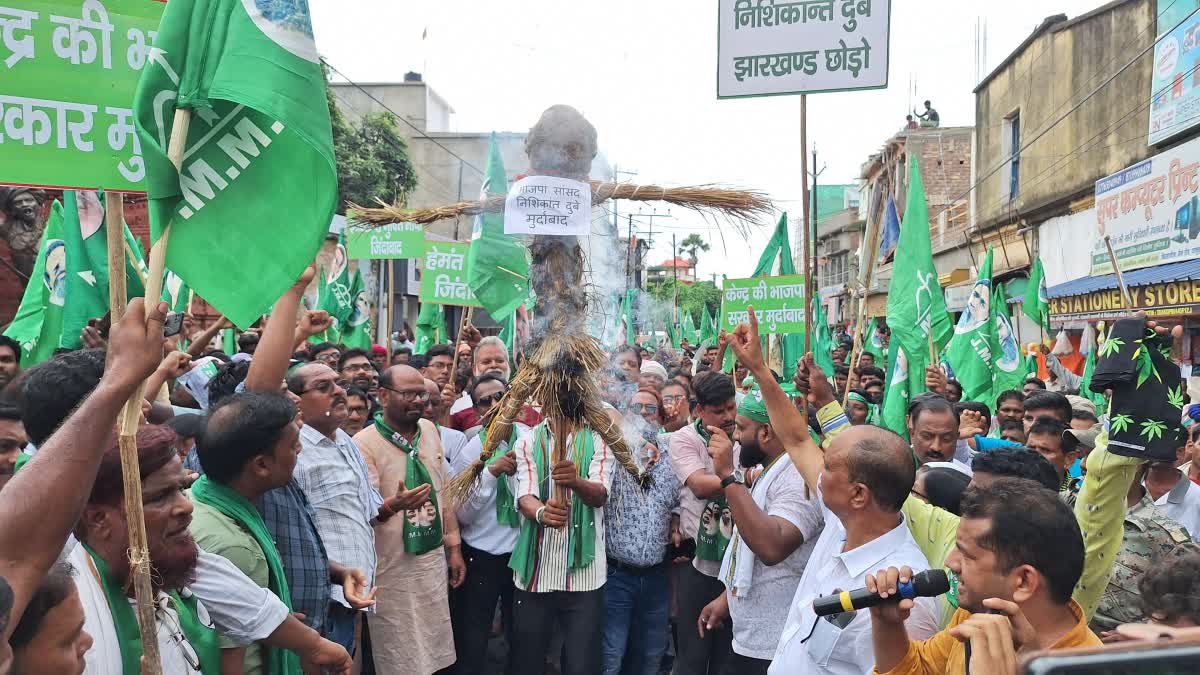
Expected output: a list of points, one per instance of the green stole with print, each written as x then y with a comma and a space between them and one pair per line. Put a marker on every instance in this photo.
419, 537
710, 541
581, 541
506, 508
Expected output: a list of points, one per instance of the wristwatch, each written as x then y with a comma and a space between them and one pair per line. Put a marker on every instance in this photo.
738, 476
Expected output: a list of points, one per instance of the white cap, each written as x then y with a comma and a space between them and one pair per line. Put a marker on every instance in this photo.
654, 368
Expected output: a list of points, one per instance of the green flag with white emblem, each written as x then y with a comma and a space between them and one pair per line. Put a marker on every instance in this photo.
38, 323
497, 267
356, 332
1034, 305
970, 350
1008, 371
252, 203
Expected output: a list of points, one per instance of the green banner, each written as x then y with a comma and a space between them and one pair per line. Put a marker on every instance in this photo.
390, 242
69, 71
444, 276
778, 303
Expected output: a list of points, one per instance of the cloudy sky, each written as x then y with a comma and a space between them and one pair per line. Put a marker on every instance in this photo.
643, 71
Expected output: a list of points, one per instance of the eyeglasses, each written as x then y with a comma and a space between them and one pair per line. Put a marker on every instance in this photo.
640, 408
358, 367
177, 636
323, 386
490, 399
422, 395
437, 365
673, 399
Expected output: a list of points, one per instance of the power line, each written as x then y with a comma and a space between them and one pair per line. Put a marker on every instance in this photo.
415, 128
1074, 108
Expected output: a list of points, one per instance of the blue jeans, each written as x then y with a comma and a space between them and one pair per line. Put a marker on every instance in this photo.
341, 626
636, 617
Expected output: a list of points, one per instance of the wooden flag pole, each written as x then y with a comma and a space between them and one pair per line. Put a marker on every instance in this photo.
872, 253
458, 341
135, 520
158, 252
1126, 299
804, 196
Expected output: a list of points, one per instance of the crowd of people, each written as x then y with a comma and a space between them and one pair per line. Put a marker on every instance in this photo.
300, 513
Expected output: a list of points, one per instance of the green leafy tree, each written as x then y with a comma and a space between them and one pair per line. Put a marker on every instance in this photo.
693, 298
372, 158
693, 246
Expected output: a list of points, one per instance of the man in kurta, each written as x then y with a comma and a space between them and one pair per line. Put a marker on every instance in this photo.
416, 536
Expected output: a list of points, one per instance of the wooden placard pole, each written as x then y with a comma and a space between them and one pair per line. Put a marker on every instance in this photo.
135, 520
458, 341
804, 197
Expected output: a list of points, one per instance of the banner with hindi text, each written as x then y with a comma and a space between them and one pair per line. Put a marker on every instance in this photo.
778, 303
70, 69
444, 274
387, 242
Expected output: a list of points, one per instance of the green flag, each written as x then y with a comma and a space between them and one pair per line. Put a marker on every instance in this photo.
779, 250
176, 293
627, 316
1008, 371
1085, 388
708, 327
1035, 306
970, 350
873, 342
508, 334
822, 341
38, 323
253, 201
916, 308
673, 333
431, 326
87, 264
497, 267
356, 332
689, 329
322, 292
335, 295
229, 341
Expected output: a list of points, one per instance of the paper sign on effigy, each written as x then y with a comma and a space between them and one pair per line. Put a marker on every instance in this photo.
548, 205
70, 68
778, 303
444, 274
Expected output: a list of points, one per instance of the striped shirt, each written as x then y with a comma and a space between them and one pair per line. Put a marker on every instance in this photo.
550, 570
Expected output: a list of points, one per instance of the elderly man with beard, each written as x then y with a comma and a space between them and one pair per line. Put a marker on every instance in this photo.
488, 523
702, 507
187, 637
491, 356
417, 540
332, 474
777, 521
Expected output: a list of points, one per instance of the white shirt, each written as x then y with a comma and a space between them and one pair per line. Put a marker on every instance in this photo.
1182, 504
477, 515
810, 644
453, 442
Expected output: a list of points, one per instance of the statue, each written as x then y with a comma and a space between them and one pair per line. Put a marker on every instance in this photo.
22, 224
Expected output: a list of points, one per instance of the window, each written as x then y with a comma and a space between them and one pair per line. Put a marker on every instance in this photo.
837, 270
1011, 147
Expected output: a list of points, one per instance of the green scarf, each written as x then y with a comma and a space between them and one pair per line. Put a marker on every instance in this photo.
202, 638
872, 409
235, 507
711, 545
419, 537
581, 539
506, 512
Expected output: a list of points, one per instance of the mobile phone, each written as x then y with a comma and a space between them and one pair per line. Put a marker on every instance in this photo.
1139, 657
173, 324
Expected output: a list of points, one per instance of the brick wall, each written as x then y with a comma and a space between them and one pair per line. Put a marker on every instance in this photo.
945, 160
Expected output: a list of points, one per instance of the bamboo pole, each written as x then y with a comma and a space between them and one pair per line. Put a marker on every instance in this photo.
458, 341
135, 520
158, 252
1126, 299
872, 253
559, 454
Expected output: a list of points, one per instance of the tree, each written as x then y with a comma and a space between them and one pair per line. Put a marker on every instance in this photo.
692, 246
693, 298
372, 158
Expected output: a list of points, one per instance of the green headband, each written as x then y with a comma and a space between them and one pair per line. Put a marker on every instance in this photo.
858, 397
752, 407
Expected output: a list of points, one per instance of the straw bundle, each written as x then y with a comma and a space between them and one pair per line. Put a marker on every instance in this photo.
737, 204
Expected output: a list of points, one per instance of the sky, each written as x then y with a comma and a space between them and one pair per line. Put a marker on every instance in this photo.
644, 73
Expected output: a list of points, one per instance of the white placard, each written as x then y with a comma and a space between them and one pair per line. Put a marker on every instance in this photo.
767, 47
548, 205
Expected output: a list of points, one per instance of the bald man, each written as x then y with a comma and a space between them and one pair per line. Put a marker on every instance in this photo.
417, 540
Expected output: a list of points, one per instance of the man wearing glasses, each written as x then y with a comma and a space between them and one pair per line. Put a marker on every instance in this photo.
332, 474
489, 532
417, 537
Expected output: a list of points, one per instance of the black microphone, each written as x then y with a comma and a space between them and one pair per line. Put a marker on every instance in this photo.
927, 584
